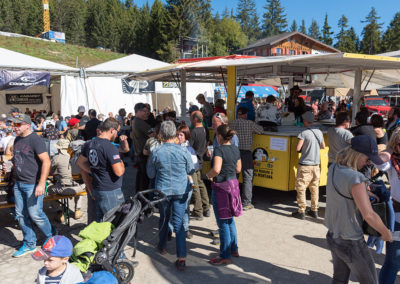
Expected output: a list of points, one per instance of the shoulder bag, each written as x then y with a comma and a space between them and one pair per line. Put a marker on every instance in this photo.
378, 207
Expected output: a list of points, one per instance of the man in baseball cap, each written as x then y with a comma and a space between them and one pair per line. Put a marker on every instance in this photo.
55, 253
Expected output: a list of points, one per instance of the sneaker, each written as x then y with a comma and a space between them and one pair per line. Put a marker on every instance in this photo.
215, 241
299, 215
180, 265
23, 250
207, 213
196, 217
313, 214
214, 233
248, 207
189, 235
78, 214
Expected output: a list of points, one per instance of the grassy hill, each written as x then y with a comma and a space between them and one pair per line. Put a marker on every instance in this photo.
61, 53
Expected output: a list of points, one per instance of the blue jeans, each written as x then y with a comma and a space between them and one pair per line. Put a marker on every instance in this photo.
106, 200
29, 208
227, 231
392, 261
186, 217
175, 207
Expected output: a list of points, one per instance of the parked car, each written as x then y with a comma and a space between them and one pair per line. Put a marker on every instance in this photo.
376, 104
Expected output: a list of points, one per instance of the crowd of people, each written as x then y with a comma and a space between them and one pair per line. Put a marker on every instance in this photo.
169, 156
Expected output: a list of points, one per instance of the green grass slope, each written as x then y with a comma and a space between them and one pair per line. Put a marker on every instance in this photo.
61, 53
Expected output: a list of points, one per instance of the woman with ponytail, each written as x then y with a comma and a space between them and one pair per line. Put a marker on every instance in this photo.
225, 195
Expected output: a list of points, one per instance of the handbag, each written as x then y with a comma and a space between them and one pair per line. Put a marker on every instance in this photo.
378, 207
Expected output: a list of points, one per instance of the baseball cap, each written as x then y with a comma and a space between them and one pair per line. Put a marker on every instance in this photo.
14, 109
73, 121
81, 109
58, 246
308, 116
21, 118
366, 145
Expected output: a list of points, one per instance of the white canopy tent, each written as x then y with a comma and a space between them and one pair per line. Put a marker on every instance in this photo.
102, 87
15, 61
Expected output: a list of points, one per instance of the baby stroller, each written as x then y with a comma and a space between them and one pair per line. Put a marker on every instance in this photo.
125, 219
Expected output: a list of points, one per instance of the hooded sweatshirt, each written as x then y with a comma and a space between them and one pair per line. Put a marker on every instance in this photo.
71, 275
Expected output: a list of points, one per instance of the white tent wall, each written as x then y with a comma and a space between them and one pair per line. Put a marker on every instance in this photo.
104, 94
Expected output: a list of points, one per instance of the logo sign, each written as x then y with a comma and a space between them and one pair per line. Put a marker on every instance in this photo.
24, 99
168, 85
21, 80
137, 87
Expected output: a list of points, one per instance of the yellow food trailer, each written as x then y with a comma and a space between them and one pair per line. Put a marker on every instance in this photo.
275, 159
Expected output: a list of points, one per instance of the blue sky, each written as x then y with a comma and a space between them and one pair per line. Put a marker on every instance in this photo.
354, 10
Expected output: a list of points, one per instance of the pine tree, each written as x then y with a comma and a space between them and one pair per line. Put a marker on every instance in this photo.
7, 16
347, 39
391, 37
97, 26
303, 27
142, 31
128, 34
371, 42
341, 36
248, 19
326, 32
313, 30
33, 24
274, 19
158, 30
293, 27
75, 21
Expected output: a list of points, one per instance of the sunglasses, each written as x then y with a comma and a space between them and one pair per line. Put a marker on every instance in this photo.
44, 252
17, 124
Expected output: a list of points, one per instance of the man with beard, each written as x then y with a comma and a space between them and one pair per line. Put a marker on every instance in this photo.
393, 120
101, 158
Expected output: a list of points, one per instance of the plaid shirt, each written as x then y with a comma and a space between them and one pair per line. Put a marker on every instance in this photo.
245, 130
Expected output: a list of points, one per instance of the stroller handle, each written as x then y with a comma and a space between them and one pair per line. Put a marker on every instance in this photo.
141, 195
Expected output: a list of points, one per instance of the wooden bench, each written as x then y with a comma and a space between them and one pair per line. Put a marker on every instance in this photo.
62, 199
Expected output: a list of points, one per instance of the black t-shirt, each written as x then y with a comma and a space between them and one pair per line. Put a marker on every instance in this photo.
26, 161
90, 128
230, 154
102, 154
198, 141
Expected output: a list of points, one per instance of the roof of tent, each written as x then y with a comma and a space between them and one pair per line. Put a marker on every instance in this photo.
380, 70
12, 60
126, 65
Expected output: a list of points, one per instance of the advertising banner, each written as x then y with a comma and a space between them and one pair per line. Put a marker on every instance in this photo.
21, 80
137, 87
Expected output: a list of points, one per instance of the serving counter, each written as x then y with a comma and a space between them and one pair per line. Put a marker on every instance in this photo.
275, 158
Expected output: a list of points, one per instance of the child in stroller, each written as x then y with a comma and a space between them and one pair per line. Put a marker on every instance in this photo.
125, 219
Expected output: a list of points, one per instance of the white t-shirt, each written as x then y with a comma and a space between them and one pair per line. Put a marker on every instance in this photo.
4, 141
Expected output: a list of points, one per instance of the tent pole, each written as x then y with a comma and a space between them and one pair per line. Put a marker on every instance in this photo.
231, 96
356, 94
183, 93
